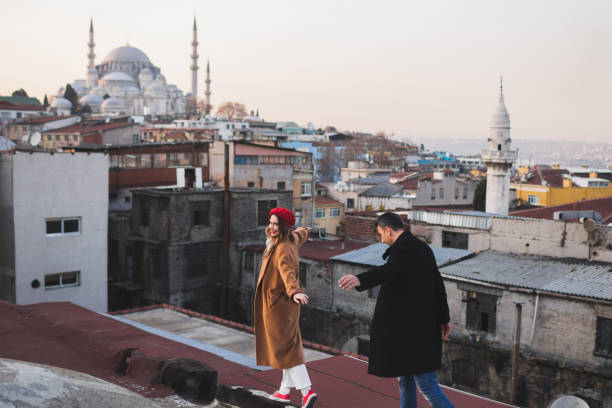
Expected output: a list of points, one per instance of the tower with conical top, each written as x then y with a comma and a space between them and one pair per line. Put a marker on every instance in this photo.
194, 61
92, 73
499, 159
208, 106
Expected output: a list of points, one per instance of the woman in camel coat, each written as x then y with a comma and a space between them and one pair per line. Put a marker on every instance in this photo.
278, 295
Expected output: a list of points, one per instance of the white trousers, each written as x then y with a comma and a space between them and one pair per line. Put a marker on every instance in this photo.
295, 377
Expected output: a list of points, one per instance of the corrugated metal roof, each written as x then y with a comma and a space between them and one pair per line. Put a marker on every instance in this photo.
6, 145
385, 189
559, 275
372, 255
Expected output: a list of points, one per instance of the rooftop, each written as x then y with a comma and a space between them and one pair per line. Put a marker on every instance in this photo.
246, 149
39, 120
385, 189
81, 128
64, 335
325, 200
542, 273
602, 205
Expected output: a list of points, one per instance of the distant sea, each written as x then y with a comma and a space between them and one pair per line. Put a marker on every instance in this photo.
568, 154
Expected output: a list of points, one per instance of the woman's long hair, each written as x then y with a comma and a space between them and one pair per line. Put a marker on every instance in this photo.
283, 234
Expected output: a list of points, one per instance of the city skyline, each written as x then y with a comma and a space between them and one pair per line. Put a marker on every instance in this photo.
418, 71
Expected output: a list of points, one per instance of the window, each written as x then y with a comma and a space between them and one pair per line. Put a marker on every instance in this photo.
350, 203
465, 374
603, 337
127, 199
62, 280
481, 311
306, 188
319, 213
280, 185
159, 160
250, 184
456, 193
144, 161
200, 213
433, 193
65, 138
465, 192
130, 161
179, 159
452, 239
263, 207
441, 192
202, 159
63, 226
533, 199
303, 270
75, 138
334, 212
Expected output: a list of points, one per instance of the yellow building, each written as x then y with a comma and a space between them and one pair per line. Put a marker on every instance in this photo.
327, 214
549, 187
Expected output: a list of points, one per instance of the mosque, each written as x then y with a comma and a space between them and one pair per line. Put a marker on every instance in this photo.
127, 82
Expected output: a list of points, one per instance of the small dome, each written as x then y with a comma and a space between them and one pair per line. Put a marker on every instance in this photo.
161, 78
92, 100
61, 103
97, 90
118, 76
77, 87
126, 54
113, 105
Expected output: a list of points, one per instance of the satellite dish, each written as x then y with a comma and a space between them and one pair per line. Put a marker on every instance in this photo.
35, 139
569, 401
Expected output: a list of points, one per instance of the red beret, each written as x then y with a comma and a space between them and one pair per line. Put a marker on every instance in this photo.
285, 215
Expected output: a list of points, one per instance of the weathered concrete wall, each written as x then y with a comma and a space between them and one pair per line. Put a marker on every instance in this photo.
7, 229
541, 237
54, 186
319, 283
263, 176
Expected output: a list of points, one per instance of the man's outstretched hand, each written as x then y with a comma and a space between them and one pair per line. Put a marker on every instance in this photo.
446, 331
348, 282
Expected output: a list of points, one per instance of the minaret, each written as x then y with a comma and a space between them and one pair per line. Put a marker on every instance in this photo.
207, 88
194, 62
499, 158
92, 73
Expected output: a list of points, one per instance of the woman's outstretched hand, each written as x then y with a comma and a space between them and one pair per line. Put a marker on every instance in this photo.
300, 298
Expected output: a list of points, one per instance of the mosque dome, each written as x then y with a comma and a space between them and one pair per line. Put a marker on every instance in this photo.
92, 100
118, 76
97, 91
126, 54
113, 105
61, 103
77, 87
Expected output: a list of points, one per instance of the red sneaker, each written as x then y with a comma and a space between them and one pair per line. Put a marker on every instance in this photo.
277, 396
309, 400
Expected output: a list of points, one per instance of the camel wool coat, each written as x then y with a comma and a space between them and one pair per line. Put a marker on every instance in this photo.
278, 342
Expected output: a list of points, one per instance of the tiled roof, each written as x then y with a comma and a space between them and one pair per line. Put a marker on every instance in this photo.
410, 184
16, 107
372, 255
547, 274
325, 200
602, 205
324, 250
79, 128
244, 149
40, 119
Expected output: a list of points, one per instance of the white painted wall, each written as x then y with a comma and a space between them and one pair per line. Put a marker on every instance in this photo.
61, 185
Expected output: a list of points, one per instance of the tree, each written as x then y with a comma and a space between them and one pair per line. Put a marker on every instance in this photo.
480, 196
72, 96
84, 109
46, 101
203, 108
20, 92
232, 110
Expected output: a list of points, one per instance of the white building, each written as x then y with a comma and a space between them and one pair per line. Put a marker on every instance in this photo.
129, 78
53, 227
498, 159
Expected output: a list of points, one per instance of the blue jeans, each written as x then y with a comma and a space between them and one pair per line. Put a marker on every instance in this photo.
428, 385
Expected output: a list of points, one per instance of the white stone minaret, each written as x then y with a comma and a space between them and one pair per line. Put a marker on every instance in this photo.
194, 62
498, 159
92, 73
207, 88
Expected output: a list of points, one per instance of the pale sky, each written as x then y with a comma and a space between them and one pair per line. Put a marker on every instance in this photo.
420, 69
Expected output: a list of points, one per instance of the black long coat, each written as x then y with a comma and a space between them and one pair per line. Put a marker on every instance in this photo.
406, 329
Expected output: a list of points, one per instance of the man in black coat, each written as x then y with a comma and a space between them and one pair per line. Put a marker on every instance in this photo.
411, 316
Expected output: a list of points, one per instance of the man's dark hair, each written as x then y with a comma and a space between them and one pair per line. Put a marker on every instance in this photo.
390, 220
